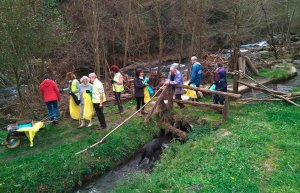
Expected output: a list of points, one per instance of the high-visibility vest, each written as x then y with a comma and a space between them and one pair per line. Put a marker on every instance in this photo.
74, 88
97, 87
117, 87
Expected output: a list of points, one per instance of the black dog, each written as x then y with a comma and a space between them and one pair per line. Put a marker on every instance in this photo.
183, 125
149, 149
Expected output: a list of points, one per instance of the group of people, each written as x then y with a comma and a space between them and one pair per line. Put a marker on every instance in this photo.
219, 83
87, 96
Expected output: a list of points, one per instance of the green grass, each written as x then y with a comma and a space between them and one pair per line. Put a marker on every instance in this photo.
282, 72
296, 89
51, 166
256, 150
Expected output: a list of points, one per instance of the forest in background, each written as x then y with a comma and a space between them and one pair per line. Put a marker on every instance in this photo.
57, 36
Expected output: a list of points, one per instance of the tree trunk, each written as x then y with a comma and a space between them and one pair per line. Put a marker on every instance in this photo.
192, 47
18, 88
270, 30
235, 47
161, 36
127, 34
183, 6
96, 38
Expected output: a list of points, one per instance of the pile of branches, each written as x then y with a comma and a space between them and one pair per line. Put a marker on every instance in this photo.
274, 95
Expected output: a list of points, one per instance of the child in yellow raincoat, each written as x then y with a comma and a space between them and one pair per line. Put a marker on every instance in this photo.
86, 104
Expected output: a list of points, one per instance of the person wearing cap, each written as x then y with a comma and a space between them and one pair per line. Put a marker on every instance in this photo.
86, 105
176, 77
51, 96
98, 98
117, 85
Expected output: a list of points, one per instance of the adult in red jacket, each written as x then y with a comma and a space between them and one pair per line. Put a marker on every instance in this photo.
50, 95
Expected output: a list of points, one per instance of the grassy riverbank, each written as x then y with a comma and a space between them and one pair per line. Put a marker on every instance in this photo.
51, 166
256, 150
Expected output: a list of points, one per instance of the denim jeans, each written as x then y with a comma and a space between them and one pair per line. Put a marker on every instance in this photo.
52, 110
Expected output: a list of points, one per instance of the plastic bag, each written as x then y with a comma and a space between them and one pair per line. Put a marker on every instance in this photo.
212, 87
30, 132
150, 90
88, 108
74, 109
147, 97
191, 93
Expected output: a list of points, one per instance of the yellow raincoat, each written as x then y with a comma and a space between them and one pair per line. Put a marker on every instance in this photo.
74, 109
31, 131
88, 111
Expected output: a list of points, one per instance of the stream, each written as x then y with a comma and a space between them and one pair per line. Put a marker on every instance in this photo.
286, 86
108, 182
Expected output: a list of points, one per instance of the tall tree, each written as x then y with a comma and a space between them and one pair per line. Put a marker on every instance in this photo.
22, 38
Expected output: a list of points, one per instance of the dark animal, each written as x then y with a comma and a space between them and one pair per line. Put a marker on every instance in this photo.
149, 149
183, 125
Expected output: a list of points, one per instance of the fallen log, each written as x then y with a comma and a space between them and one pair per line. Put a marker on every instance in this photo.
193, 103
248, 100
255, 100
168, 127
286, 99
250, 65
232, 95
262, 89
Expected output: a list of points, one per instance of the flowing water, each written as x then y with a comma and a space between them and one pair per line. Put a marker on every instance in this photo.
286, 86
108, 182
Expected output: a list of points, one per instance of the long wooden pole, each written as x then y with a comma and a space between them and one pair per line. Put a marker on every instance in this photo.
232, 95
216, 106
99, 142
262, 89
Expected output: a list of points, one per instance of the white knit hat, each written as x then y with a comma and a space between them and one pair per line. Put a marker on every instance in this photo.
84, 77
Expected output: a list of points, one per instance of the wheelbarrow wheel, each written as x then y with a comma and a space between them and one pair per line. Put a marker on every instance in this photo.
14, 142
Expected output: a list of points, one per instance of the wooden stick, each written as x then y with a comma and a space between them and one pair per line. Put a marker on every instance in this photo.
120, 123
216, 106
160, 98
248, 100
232, 95
225, 111
262, 89
175, 131
170, 97
286, 99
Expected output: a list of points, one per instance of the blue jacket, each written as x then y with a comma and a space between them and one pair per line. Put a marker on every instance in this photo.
178, 79
196, 74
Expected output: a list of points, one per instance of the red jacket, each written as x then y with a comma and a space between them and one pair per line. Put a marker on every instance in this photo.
49, 90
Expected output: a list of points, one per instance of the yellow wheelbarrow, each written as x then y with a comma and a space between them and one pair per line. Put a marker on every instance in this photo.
25, 128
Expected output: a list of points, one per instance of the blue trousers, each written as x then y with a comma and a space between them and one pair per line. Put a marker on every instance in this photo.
52, 110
